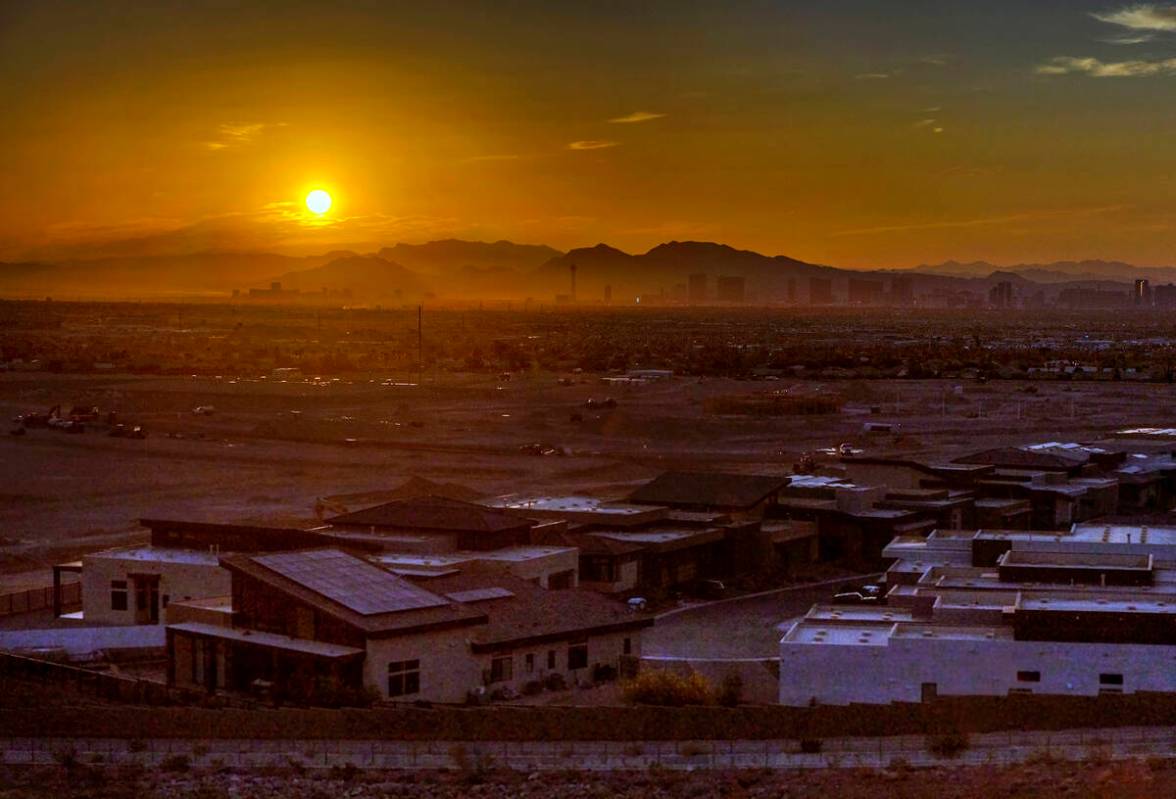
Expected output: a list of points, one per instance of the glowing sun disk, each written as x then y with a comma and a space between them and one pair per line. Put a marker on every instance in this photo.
318, 201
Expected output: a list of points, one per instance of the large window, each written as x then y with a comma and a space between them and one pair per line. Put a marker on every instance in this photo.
502, 669
1028, 676
1111, 679
578, 654
118, 594
404, 678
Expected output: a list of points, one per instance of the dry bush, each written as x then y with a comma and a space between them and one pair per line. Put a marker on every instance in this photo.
660, 687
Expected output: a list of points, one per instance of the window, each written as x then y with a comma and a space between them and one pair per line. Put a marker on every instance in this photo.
530, 662
502, 669
1028, 676
118, 594
404, 678
627, 646
550, 659
1110, 679
578, 655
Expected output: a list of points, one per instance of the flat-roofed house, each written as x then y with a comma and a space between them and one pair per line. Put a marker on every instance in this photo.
135, 584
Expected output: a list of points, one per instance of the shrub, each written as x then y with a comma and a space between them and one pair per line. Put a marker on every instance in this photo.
532, 687
659, 687
949, 744
555, 682
811, 746
67, 758
175, 763
730, 691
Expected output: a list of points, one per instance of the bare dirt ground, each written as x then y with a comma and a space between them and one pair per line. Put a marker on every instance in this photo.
273, 447
1045, 780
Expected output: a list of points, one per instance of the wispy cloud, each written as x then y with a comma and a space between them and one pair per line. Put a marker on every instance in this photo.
636, 116
502, 157
872, 76
238, 135
1142, 17
1130, 38
1136, 68
593, 144
1032, 216
930, 124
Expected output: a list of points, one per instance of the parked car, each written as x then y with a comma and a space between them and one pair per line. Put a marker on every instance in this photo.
868, 594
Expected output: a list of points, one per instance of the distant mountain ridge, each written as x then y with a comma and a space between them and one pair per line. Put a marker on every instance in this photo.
1055, 272
469, 270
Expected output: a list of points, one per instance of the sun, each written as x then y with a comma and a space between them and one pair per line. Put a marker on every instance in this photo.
318, 201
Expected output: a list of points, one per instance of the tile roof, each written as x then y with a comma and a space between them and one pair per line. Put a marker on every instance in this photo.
433, 513
533, 614
1016, 457
708, 489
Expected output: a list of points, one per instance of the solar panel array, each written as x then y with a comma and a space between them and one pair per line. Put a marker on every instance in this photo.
353, 583
480, 594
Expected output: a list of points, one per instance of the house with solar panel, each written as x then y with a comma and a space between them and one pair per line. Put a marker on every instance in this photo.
311, 624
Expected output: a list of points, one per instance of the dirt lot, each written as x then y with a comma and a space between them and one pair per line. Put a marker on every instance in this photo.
272, 447
1127, 780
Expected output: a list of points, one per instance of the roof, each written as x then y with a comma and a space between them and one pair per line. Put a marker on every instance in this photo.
353, 590
1016, 457
349, 581
525, 613
708, 489
269, 640
191, 557
434, 513
661, 540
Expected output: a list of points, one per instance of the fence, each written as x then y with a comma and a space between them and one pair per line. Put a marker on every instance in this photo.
40, 599
75, 681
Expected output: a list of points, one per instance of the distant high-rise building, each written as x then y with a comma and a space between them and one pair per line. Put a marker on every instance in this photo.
698, 289
820, 291
902, 290
864, 292
1001, 295
1142, 293
1165, 296
607, 294
730, 288
792, 289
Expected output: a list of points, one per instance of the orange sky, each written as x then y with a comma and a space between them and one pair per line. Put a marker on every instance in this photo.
855, 132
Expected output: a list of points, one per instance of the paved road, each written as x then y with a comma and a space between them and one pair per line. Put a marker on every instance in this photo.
745, 628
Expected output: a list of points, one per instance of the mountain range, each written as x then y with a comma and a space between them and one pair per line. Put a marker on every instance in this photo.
469, 270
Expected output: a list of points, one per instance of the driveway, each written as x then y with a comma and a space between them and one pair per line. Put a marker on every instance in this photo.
739, 628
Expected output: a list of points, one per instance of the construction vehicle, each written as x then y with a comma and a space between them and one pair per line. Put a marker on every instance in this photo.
806, 465
84, 413
323, 506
